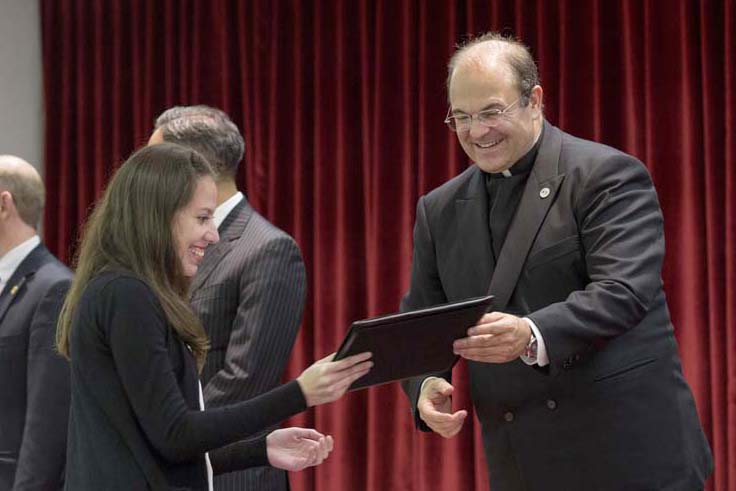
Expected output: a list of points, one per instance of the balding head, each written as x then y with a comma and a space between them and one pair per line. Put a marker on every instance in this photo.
492, 52
21, 184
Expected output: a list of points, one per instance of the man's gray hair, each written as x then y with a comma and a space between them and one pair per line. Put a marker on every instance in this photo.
207, 130
28, 193
516, 54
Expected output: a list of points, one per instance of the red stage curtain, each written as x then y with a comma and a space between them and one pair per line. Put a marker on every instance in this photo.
341, 104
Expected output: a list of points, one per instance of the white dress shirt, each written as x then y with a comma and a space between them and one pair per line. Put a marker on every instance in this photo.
226, 207
207, 461
12, 259
221, 212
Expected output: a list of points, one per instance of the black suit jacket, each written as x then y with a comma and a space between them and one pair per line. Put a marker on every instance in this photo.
582, 259
34, 379
249, 293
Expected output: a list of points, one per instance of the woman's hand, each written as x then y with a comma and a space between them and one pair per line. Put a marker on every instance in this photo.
294, 449
327, 380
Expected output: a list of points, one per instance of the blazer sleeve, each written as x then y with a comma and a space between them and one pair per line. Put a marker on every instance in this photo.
42, 453
137, 334
621, 228
425, 289
272, 290
239, 455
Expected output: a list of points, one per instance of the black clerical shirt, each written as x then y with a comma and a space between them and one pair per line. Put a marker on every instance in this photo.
504, 194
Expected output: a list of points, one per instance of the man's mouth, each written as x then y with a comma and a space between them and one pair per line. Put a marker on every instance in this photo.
490, 144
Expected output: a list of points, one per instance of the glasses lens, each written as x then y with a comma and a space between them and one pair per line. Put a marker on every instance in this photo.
489, 118
462, 123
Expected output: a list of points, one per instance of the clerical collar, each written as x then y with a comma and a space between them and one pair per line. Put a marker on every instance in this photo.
523, 165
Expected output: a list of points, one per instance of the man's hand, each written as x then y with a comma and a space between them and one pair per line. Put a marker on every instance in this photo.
435, 408
497, 338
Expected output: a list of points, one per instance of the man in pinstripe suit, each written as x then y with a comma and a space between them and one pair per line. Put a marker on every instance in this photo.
250, 288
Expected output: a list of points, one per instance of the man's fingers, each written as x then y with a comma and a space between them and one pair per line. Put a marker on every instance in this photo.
490, 318
477, 341
448, 424
486, 341
429, 413
437, 386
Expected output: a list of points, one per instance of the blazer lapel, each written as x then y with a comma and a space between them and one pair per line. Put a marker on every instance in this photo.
230, 230
473, 237
539, 194
17, 282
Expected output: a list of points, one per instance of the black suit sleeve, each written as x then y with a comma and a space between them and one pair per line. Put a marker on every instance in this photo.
425, 289
137, 333
42, 454
621, 229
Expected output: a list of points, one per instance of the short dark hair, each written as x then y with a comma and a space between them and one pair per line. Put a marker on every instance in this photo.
517, 56
207, 130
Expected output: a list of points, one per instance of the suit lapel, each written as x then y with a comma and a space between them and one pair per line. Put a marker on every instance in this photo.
474, 238
539, 194
230, 230
17, 282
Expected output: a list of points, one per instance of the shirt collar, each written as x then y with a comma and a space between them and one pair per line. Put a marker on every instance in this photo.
524, 164
222, 211
12, 259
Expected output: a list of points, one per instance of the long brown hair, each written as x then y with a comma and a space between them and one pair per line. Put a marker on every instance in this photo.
131, 229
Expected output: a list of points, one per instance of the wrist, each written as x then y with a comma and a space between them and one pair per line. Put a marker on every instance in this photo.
532, 346
302, 387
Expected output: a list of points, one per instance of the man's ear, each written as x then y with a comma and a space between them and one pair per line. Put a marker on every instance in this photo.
7, 205
536, 98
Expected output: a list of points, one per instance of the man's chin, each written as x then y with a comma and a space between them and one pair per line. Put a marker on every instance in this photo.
492, 167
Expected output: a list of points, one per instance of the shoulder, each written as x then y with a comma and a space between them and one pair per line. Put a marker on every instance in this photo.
260, 236
120, 288
262, 229
50, 273
55, 271
454, 187
584, 157
440, 197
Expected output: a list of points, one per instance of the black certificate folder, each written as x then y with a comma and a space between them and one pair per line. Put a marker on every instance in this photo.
412, 343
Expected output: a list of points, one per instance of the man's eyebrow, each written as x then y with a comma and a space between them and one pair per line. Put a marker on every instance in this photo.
492, 105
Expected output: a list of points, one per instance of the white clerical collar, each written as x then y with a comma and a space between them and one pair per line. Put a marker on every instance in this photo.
524, 161
12, 259
226, 207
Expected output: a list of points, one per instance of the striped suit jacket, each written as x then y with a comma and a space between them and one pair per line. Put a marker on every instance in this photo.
249, 293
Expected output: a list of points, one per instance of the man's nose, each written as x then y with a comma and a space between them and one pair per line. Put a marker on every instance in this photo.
476, 128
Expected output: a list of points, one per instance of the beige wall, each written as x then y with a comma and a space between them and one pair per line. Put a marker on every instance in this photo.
21, 87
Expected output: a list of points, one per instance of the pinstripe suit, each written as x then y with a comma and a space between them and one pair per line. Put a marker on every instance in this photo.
249, 292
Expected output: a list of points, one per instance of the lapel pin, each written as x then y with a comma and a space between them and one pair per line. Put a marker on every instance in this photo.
17, 286
543, 193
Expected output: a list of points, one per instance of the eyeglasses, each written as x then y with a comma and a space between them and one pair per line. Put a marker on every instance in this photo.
487, 118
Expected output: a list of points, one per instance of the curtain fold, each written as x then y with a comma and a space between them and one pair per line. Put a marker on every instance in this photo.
341, 104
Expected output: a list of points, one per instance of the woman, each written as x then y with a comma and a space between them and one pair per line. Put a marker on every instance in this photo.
135, 345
